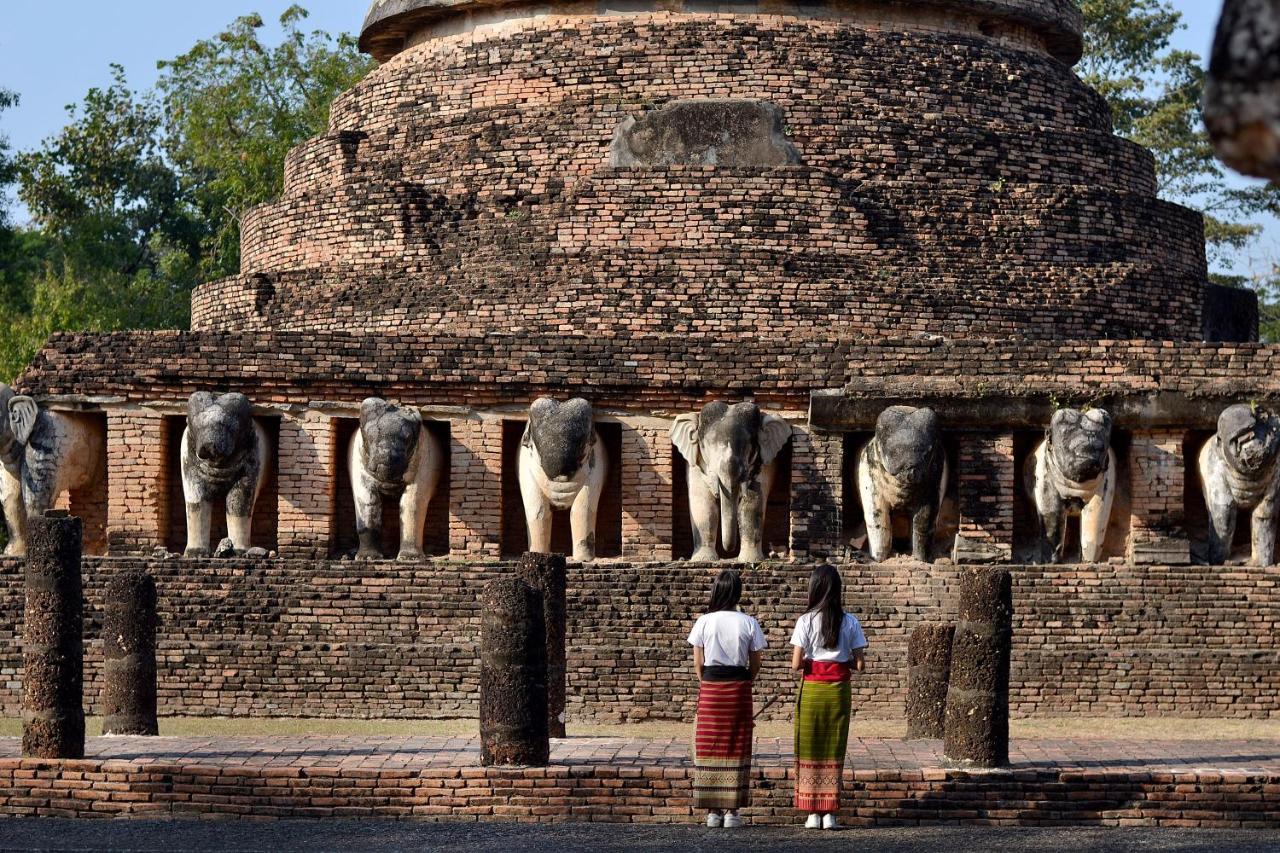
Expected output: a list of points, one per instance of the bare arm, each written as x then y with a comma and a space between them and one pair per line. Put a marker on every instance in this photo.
755, 664
859, 660
797, 659
697, 661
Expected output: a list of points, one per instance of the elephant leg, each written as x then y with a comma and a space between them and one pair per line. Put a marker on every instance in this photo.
582, 523
240, 502
368, 523
537, 511
1053, 532
875, 512
704, 517
1222, 530
1093, 526
923, 521
15, 513
1264, 534
413, 517
751, 523
198, 519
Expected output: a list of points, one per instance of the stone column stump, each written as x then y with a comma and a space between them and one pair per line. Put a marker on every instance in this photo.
547, 574
928, 671
53, 640
129, 652
513, 675
977, 716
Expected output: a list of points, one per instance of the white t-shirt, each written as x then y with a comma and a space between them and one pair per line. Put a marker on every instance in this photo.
727, 638
808, 636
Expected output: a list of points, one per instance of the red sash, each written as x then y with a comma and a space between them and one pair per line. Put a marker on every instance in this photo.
827, 670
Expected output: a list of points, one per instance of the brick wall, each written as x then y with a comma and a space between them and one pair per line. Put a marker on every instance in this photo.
985, 483
297, 638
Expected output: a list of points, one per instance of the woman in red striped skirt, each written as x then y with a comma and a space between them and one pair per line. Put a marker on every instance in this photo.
726, 656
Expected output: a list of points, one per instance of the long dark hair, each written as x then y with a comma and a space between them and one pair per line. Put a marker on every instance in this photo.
725, 592
825, 599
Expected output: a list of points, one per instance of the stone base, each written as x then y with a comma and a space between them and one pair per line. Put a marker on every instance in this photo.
608, 780
1162, 551
974, 552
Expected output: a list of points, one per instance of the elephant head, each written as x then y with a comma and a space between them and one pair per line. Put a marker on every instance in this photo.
907, 441
219, 429
730, 445
563, 434
1249, 440
390, 435
1080, 443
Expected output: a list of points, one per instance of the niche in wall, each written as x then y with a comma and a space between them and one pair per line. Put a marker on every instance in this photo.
777, 514
1026, 522
435, 531
515, 534
265, 511
853, 519
90, 503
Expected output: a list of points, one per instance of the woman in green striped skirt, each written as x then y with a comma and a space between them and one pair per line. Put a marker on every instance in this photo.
828, 647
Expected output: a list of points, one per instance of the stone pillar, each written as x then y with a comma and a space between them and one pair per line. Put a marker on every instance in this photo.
817, 494
306, 483
547, 574
53, 640
137, 481
928, 671
646, 492
984, 484
513, 675
129, 655
475, 489
1157, 523
977, 717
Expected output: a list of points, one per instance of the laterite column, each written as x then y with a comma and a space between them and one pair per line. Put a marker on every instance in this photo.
928, 671
53, 640
513, 675
129, 653
547, 574
977, 720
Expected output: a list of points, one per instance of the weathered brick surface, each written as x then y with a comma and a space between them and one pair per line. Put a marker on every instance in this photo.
299, 638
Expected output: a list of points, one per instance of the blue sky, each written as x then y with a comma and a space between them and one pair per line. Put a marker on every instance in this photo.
51, 55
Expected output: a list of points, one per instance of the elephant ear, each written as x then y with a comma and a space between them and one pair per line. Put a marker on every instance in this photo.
23, 413
684, 435
774, 435
199, 402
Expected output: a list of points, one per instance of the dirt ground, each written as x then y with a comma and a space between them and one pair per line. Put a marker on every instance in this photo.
1103, 728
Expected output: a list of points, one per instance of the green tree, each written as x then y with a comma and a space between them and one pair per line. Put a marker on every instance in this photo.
1155, 92
234, 106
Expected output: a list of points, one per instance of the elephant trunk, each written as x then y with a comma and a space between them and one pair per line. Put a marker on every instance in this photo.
728, 518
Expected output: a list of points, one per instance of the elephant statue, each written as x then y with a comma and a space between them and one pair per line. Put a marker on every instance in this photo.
1238, 471
563, 465
225, 454
730, 451
392, 454
1073, 471
44, 454
1241, 94
903, 469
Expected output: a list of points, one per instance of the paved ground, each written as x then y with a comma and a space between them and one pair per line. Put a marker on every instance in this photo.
503, 838
396, 753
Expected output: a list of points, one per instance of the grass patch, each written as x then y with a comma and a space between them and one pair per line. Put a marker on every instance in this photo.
1095, 728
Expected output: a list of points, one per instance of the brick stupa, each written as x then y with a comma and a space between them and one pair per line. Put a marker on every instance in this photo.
828, 208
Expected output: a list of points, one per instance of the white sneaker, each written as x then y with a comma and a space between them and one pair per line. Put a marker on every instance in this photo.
814, 822
829, 822
714, 820
732, 821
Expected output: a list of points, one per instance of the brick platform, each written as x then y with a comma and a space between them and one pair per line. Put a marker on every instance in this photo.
1060, 782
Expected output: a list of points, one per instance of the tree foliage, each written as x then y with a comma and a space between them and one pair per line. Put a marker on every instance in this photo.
235, 106
1155, 93
140, 196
